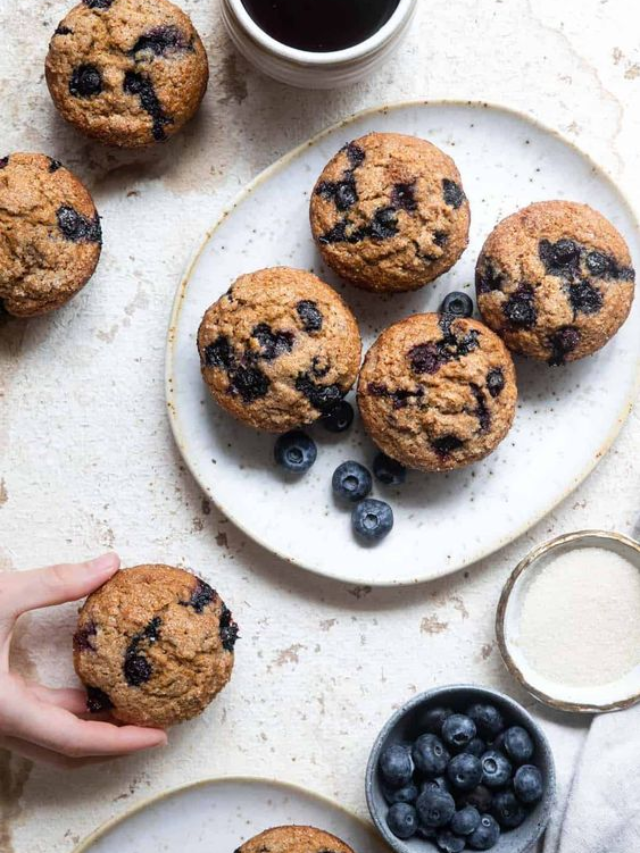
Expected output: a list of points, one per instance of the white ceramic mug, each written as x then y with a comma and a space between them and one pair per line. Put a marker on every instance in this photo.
311, 69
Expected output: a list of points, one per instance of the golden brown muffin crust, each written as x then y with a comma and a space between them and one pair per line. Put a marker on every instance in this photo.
294, 839
279, 349
555, 281
154, 645
437, 393
50, 234
389, 213
127, 72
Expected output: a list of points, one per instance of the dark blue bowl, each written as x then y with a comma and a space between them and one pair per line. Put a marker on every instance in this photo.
406, 725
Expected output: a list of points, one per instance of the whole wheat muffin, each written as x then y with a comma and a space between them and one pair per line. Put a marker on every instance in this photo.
437, 393
294, 839
555, 281
154, 646
279, 349
127, 72
50, 236
388, 213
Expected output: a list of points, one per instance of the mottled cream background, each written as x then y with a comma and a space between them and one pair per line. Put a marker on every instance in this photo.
88, 463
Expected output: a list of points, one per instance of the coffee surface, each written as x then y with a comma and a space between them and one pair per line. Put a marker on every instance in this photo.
321, 25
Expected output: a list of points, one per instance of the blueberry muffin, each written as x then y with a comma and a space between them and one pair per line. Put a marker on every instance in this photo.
437, 393
555, 281
294, 839
50, 235
154, 646
279, 349
127, 72
389, 213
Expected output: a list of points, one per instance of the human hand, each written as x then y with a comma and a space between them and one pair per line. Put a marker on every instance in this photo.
42, 723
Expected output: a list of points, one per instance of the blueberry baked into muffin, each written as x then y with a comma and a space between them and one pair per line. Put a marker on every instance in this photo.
279, 349
127, 72
389, 213
154, 646
294, 839
50, 235
437, 392
555, 281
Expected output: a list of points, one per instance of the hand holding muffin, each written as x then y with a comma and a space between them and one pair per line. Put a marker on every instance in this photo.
39, 722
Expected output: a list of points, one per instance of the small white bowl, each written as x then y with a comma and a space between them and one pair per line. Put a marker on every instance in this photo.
310, 69
594, 699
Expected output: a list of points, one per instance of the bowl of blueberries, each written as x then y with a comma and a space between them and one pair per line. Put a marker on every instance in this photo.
461, 768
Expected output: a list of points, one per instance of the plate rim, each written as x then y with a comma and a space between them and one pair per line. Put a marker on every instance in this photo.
266, 174
84, 846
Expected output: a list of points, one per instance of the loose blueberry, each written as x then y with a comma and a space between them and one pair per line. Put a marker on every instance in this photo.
476, 746
430, 755
457, 305
339, 418
489, 721
434, 719
388, 471
465, 772
295, 451
402, 820
450, 843
527, 784
351, 481
480, 798
518, 744
396, 766
440, 782
408, 794
427, 832
507, 810
435, 808
466, 821
486, 835
457, 731
496, 768
372, 520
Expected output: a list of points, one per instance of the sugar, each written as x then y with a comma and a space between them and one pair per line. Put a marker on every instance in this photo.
580, 620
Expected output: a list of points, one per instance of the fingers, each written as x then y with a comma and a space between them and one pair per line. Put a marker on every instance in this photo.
58, 730
45, 756
69, 699
24, 591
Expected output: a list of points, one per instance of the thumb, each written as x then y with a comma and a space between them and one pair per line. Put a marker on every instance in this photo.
24, 591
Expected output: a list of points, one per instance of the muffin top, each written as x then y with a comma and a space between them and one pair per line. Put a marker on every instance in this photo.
127, 72
279, 349
294, 839
437, 393
50, 235
389, 213
555, 281
154, 645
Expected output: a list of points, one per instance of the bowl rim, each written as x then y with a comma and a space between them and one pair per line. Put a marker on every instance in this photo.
316, 59
548, 801
529, 560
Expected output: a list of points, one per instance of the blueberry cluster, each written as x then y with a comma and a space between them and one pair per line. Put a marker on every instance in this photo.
352, 483
467, 778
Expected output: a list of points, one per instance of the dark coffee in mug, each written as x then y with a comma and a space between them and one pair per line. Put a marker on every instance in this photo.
321, 25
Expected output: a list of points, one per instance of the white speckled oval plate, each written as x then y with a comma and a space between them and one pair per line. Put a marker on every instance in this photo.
567, 418
218, 815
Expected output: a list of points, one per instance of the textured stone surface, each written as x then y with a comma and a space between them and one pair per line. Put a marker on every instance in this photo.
88, 463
